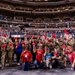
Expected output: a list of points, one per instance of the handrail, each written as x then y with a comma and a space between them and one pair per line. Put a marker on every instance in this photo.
38, 3
14, 10
48, 29
33, 23
37, 12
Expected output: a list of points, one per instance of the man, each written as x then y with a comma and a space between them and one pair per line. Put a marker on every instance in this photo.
10, 50
33, 46
56, 59
3, 53
26, 40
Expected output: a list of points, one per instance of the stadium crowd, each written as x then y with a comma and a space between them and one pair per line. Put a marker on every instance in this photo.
39, 52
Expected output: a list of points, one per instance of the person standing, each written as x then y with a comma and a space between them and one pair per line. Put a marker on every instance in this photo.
0, 49
3, 53
10, 50
18, 51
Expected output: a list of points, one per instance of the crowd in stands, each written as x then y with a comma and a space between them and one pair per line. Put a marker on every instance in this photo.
48, 21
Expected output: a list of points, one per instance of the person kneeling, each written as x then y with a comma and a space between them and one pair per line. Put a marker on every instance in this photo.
26, 57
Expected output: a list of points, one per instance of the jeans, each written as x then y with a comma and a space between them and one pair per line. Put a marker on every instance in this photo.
37, 64
25, 66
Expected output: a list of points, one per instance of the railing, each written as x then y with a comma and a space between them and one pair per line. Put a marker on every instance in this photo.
48, 29
34, 23
39, 3
36, 11
14, 10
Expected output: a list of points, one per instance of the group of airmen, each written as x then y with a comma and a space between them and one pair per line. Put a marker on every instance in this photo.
6, 51
7, 48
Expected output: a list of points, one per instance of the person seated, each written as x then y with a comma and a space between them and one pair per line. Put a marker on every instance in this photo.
73, 64
56, 59
70, 55
47, 57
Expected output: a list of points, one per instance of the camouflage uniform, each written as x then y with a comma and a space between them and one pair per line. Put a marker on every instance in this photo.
3, 54
26, 43
10, 51
51, 45
0, 49
23, 45
70, 42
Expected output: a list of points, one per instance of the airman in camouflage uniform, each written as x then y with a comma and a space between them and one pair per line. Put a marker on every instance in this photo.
0, 49
3, 53
70, 42
10, 50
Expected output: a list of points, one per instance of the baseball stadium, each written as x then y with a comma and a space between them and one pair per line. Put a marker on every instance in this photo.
37, 37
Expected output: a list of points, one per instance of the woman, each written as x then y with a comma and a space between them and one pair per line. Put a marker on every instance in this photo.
47, 56
18, 50
39, 57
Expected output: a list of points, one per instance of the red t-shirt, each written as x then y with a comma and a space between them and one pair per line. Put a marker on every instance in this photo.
55, 53
26, 56
73, 54
39, 54
70, 56
63, 46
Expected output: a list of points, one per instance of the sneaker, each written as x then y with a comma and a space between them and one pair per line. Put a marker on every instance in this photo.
50, 66
18, 64
72, 69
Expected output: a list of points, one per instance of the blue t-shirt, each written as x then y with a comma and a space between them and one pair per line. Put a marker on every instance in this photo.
48, 55
19, 48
